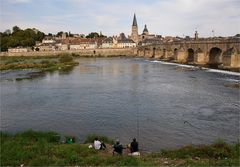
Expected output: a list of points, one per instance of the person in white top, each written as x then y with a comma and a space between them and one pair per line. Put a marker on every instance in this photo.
98, 145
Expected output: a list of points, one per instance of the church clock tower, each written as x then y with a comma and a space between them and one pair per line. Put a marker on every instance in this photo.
134, 35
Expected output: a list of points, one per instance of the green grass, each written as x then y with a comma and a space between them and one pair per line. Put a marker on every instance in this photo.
33, 148
218, 150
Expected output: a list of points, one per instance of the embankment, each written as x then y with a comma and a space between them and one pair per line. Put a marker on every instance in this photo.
83, 52
45, 149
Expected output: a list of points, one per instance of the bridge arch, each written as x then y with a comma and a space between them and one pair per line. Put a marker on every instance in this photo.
144, 52
215, 56
154, 52
175, 54
141, 52
190, 56
164, 53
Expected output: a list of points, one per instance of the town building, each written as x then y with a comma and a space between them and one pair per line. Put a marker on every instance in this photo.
48, 41
146, 35
108, 43
48, 44
83, 43
62, 46
124, 42
120, 41
45, 47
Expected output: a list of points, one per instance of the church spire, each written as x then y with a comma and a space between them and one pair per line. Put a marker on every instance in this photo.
134, 35
134, 20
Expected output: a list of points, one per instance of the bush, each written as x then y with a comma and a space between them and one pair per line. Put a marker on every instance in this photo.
75, 55
31, 135
64, 58
45, 62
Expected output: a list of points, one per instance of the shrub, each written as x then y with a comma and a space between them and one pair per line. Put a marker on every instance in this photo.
45, 62
75, 55
31, 135
65, 58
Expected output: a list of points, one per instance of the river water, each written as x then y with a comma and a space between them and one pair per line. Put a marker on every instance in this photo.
162, 105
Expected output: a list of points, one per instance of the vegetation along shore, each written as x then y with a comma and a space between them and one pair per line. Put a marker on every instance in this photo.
32, 148
42, 63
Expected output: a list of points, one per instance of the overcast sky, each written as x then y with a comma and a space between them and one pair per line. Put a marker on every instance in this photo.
164, 17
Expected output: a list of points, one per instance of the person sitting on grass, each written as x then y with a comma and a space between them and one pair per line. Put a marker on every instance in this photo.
117, 148
98, 145
134, 147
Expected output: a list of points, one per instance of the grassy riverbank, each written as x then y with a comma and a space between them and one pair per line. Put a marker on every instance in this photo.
42, 63
44, 148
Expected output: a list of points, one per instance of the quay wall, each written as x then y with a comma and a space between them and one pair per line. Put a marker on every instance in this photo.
83, 52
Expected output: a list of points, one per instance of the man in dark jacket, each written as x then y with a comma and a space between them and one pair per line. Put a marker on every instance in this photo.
134, 146
118, 148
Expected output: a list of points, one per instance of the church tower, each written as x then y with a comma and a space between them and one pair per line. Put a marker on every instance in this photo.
145, 31
134, 35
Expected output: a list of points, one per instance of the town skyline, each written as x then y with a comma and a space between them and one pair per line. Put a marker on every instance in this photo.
173, 17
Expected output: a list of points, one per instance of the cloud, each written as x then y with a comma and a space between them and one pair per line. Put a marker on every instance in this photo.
166, 17
19, 1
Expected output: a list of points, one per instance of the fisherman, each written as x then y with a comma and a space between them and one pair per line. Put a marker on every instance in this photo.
98, 145
117, 148
134, 146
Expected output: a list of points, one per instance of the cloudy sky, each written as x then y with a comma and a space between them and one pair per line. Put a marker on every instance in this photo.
165, 17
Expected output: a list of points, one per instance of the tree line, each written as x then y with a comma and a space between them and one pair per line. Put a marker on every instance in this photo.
18, 37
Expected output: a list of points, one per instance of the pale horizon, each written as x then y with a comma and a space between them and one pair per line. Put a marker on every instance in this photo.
167, 18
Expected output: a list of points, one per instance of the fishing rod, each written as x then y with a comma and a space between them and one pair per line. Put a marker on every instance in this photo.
138, 129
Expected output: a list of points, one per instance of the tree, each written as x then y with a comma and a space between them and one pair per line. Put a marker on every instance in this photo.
16, 29
93, 35
102, 36
70, 34
59, 34
7, 32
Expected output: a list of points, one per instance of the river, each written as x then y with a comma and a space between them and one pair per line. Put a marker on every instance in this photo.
163, 105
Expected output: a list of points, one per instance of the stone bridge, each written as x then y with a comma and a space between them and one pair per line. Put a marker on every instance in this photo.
225, 53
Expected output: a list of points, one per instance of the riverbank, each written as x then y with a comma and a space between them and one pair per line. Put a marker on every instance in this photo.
108, 52
33, 148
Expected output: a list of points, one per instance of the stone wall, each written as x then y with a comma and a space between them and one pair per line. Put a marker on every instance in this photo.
84, 52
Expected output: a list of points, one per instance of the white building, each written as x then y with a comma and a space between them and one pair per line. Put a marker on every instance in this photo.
45, 47
108, 43
84, 43
48, 41
126, 43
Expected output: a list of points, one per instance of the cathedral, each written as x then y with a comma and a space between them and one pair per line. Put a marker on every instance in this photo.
135, 36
